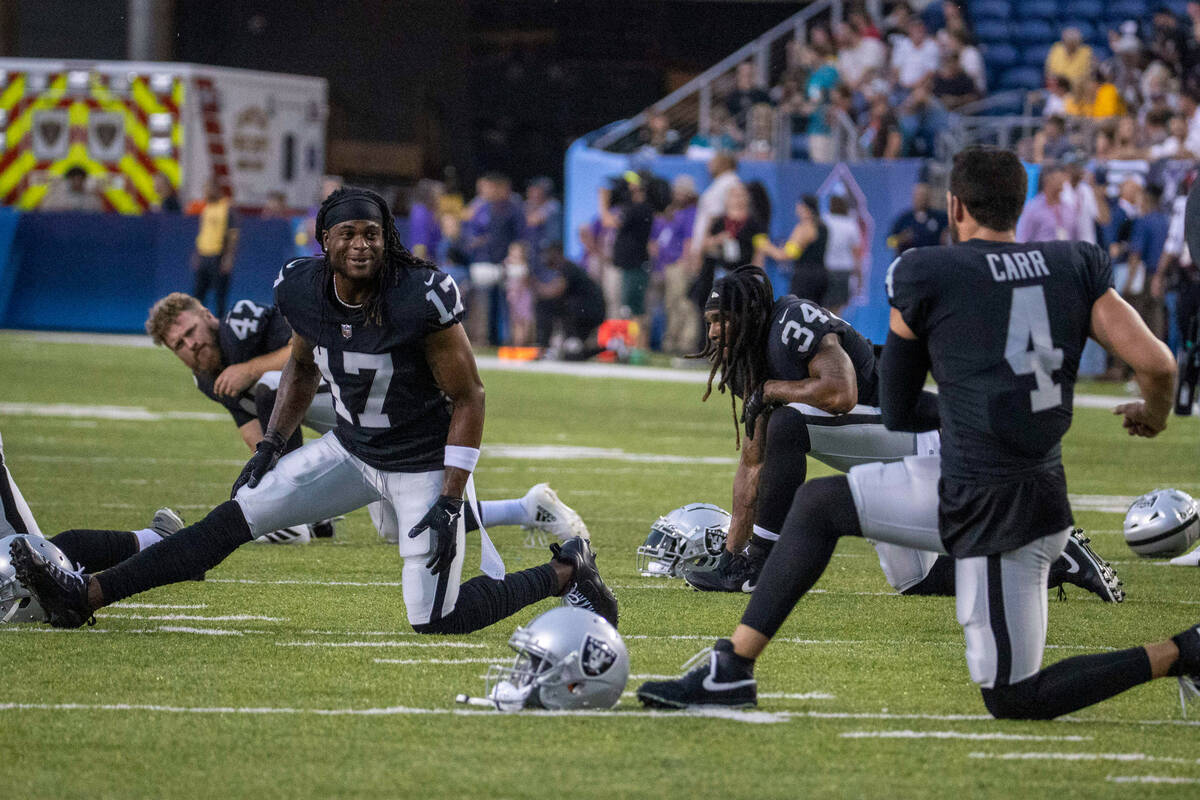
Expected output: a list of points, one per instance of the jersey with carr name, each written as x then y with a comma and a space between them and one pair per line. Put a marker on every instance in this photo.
1005, 325
391, 413
797, 327
249, 330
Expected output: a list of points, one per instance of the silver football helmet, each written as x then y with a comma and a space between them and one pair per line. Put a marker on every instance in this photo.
566, 658
690, 537
17, 603
1161, 523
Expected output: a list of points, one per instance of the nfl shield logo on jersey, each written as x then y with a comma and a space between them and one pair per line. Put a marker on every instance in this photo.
597, 656
347, 331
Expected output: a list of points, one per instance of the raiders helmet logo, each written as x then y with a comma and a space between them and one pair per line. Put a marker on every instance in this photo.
597, 657
714, 540
347, 331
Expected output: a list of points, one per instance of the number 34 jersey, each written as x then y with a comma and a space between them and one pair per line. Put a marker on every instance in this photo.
1005, 325
391, 412
797, 327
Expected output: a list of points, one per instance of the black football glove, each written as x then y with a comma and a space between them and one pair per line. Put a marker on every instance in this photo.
753, 408
441, 520
265, 455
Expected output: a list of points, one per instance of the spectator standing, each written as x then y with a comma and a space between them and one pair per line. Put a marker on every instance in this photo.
1091, 207
919, 226
632, 216
843, 254
881, 136
424, 226
1046, 217
1051, 143
1070, 58
734, 238
805, 249
518, 293
216, 247
168, 198
71, 193
958, 44
823, 78
494, 221
543, 218
674, 252
1178, 275
746, 94
1146, 244
722, 167
915, 56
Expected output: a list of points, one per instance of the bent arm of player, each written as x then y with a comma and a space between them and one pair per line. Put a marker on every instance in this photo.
1121, 331
297, 387
452, 362
237, 378
745, 491
902, 370
831, 386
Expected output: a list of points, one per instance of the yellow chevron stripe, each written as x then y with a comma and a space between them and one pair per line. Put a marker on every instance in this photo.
13, 92
32, 197
16, 170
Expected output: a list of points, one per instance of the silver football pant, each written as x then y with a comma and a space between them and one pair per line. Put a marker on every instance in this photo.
1001, 599
322, 479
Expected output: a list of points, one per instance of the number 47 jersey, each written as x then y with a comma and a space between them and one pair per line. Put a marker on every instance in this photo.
391, 412
1005, 325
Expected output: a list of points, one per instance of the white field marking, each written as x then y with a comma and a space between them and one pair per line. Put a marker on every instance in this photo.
256, 582
176, 506
1114, 504
124, 604
910, 734
885, 642
198, 631
1044, 756
361, 633
65, 337
1149, 779
752, 717
797, 696
437, 660
120, 413
471, 645
651, 677
196, 617
159, 629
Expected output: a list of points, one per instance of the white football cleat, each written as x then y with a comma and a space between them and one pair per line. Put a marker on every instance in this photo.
552, 515
297, 534
1191, 559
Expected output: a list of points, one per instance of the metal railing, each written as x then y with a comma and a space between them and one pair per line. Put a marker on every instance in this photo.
695, 98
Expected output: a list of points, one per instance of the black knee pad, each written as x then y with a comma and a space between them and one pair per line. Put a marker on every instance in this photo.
1015, 701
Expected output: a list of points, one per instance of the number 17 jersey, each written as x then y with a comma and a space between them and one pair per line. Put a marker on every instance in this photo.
1005, 325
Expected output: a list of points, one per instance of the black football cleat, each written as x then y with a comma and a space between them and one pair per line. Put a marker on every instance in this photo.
62, 593
735, 572
1187, 668
587, 589
720, 679
1080, 566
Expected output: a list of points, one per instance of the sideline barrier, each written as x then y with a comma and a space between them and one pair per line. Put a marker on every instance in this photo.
882, 188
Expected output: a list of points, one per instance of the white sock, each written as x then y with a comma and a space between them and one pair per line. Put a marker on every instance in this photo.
147, 537
503, 512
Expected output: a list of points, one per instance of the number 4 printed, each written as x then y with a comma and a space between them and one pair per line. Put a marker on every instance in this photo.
1030, 349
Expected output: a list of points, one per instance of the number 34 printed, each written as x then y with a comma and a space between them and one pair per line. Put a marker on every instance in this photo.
794, 331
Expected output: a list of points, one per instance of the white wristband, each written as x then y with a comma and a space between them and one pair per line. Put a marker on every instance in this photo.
462, 457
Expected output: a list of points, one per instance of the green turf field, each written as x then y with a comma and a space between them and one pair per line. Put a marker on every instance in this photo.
288, 674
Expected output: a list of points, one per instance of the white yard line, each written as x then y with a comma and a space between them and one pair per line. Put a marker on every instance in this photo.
126, 604
910, 734
408, 661
471, 645
195, 617
1122, 757
257, 582
1168, 779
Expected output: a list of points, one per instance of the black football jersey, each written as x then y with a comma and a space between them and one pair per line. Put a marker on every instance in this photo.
391, 413
248, 331
797, 327
1005, 325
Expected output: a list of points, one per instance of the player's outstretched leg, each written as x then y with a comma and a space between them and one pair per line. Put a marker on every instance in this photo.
822, 513
540, 509
70, 597
483, 601
94, 550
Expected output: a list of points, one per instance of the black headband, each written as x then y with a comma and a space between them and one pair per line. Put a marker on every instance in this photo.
352, 208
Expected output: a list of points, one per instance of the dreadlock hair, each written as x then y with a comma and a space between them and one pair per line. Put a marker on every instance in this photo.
746, 299
396, 257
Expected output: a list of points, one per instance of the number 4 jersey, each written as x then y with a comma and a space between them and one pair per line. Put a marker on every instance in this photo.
391, 413
1005, 325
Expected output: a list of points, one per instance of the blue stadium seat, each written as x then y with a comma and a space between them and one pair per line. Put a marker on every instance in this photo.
1021, 78
1038, 9
1086, 9
1008, 107
993, 30
1001, 56
1086, 29
1032, 31
1177, 6
1100, 52
1035, 55
1122, 10
989, 9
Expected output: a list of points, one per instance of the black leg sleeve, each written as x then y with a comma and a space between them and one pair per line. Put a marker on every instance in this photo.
1069, 685
939, 582
784, 468
180, 557
822, 513
483, 600
96, 550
